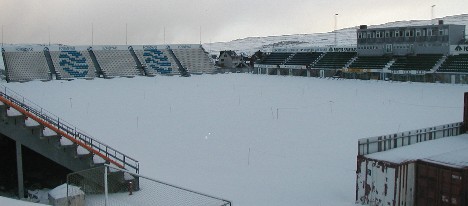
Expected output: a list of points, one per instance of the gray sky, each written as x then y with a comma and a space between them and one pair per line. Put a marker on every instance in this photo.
70, 21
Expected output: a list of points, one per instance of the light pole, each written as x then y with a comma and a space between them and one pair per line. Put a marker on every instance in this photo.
336, 20
432, 14
126, 33
92, 34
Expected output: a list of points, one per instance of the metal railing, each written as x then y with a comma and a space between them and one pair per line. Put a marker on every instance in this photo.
69, 129
401, 139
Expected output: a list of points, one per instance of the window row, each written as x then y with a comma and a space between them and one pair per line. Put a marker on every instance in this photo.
403, 33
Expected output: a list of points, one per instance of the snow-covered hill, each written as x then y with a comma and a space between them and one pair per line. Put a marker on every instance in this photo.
345, 37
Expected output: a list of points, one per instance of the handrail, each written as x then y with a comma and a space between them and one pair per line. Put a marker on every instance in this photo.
66, 129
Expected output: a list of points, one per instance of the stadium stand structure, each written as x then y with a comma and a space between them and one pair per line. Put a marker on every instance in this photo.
276, 58
193, 58
39, 130
155, 60
72, 64
116, 61
304, 58
334, 60
26, 64
370, 62
424, 62
455, 63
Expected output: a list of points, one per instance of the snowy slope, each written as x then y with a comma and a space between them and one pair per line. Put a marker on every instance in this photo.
345, 37
252, 139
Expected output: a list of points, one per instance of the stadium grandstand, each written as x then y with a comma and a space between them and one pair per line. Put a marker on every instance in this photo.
27, 63
431, 53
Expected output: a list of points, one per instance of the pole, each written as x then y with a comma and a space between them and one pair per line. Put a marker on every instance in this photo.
432, 14
164, 34
105, 186
200, 34
49, 34
92, 34
336, 19
2, 35
126, 33
19, 167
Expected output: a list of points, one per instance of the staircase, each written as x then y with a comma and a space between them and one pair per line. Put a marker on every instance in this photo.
142, 69
99, 72
183, 71
54, 138
52, 69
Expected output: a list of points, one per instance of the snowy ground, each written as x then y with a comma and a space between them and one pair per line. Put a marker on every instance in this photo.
252, 139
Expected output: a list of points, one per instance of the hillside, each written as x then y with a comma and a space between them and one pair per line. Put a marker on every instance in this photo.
345, 37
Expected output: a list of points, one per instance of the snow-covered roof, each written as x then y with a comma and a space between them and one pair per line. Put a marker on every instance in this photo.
450, 151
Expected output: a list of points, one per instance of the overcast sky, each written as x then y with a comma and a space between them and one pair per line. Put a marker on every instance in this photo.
71, 21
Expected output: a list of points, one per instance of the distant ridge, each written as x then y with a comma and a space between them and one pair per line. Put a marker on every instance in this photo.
345, 37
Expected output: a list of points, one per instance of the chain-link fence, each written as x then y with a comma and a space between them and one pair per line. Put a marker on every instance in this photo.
112, 186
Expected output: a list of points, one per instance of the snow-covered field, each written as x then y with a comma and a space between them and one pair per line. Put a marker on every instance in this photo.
252, 139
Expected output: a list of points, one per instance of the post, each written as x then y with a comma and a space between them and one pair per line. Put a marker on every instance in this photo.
465, 113
92, 34
336, 19
106, 186
432, 14
19, 167
126, 34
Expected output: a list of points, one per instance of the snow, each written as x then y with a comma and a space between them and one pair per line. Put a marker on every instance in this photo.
230, 136
14, 202
98, 160
48, 132
61, 191
39, 196
31, 123
65, 142
13, 112
435, 150
81, 151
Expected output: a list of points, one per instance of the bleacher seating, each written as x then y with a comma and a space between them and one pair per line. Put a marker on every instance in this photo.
423, 62
26, 66
195, 60
370, 62
456, 63
157, 61
276, 58
335, 60
73, 64
302, 58
116, 63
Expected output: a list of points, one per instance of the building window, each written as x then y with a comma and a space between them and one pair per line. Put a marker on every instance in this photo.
418, 32
397, 33
379, 34
387, 34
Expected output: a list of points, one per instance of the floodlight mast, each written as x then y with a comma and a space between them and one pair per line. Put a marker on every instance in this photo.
432, 14
336, 20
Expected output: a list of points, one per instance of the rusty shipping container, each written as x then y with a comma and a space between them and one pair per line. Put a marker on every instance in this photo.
442, 183
389, 176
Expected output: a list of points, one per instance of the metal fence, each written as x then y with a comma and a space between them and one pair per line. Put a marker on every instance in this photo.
109, 185
392, 141
76, 134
